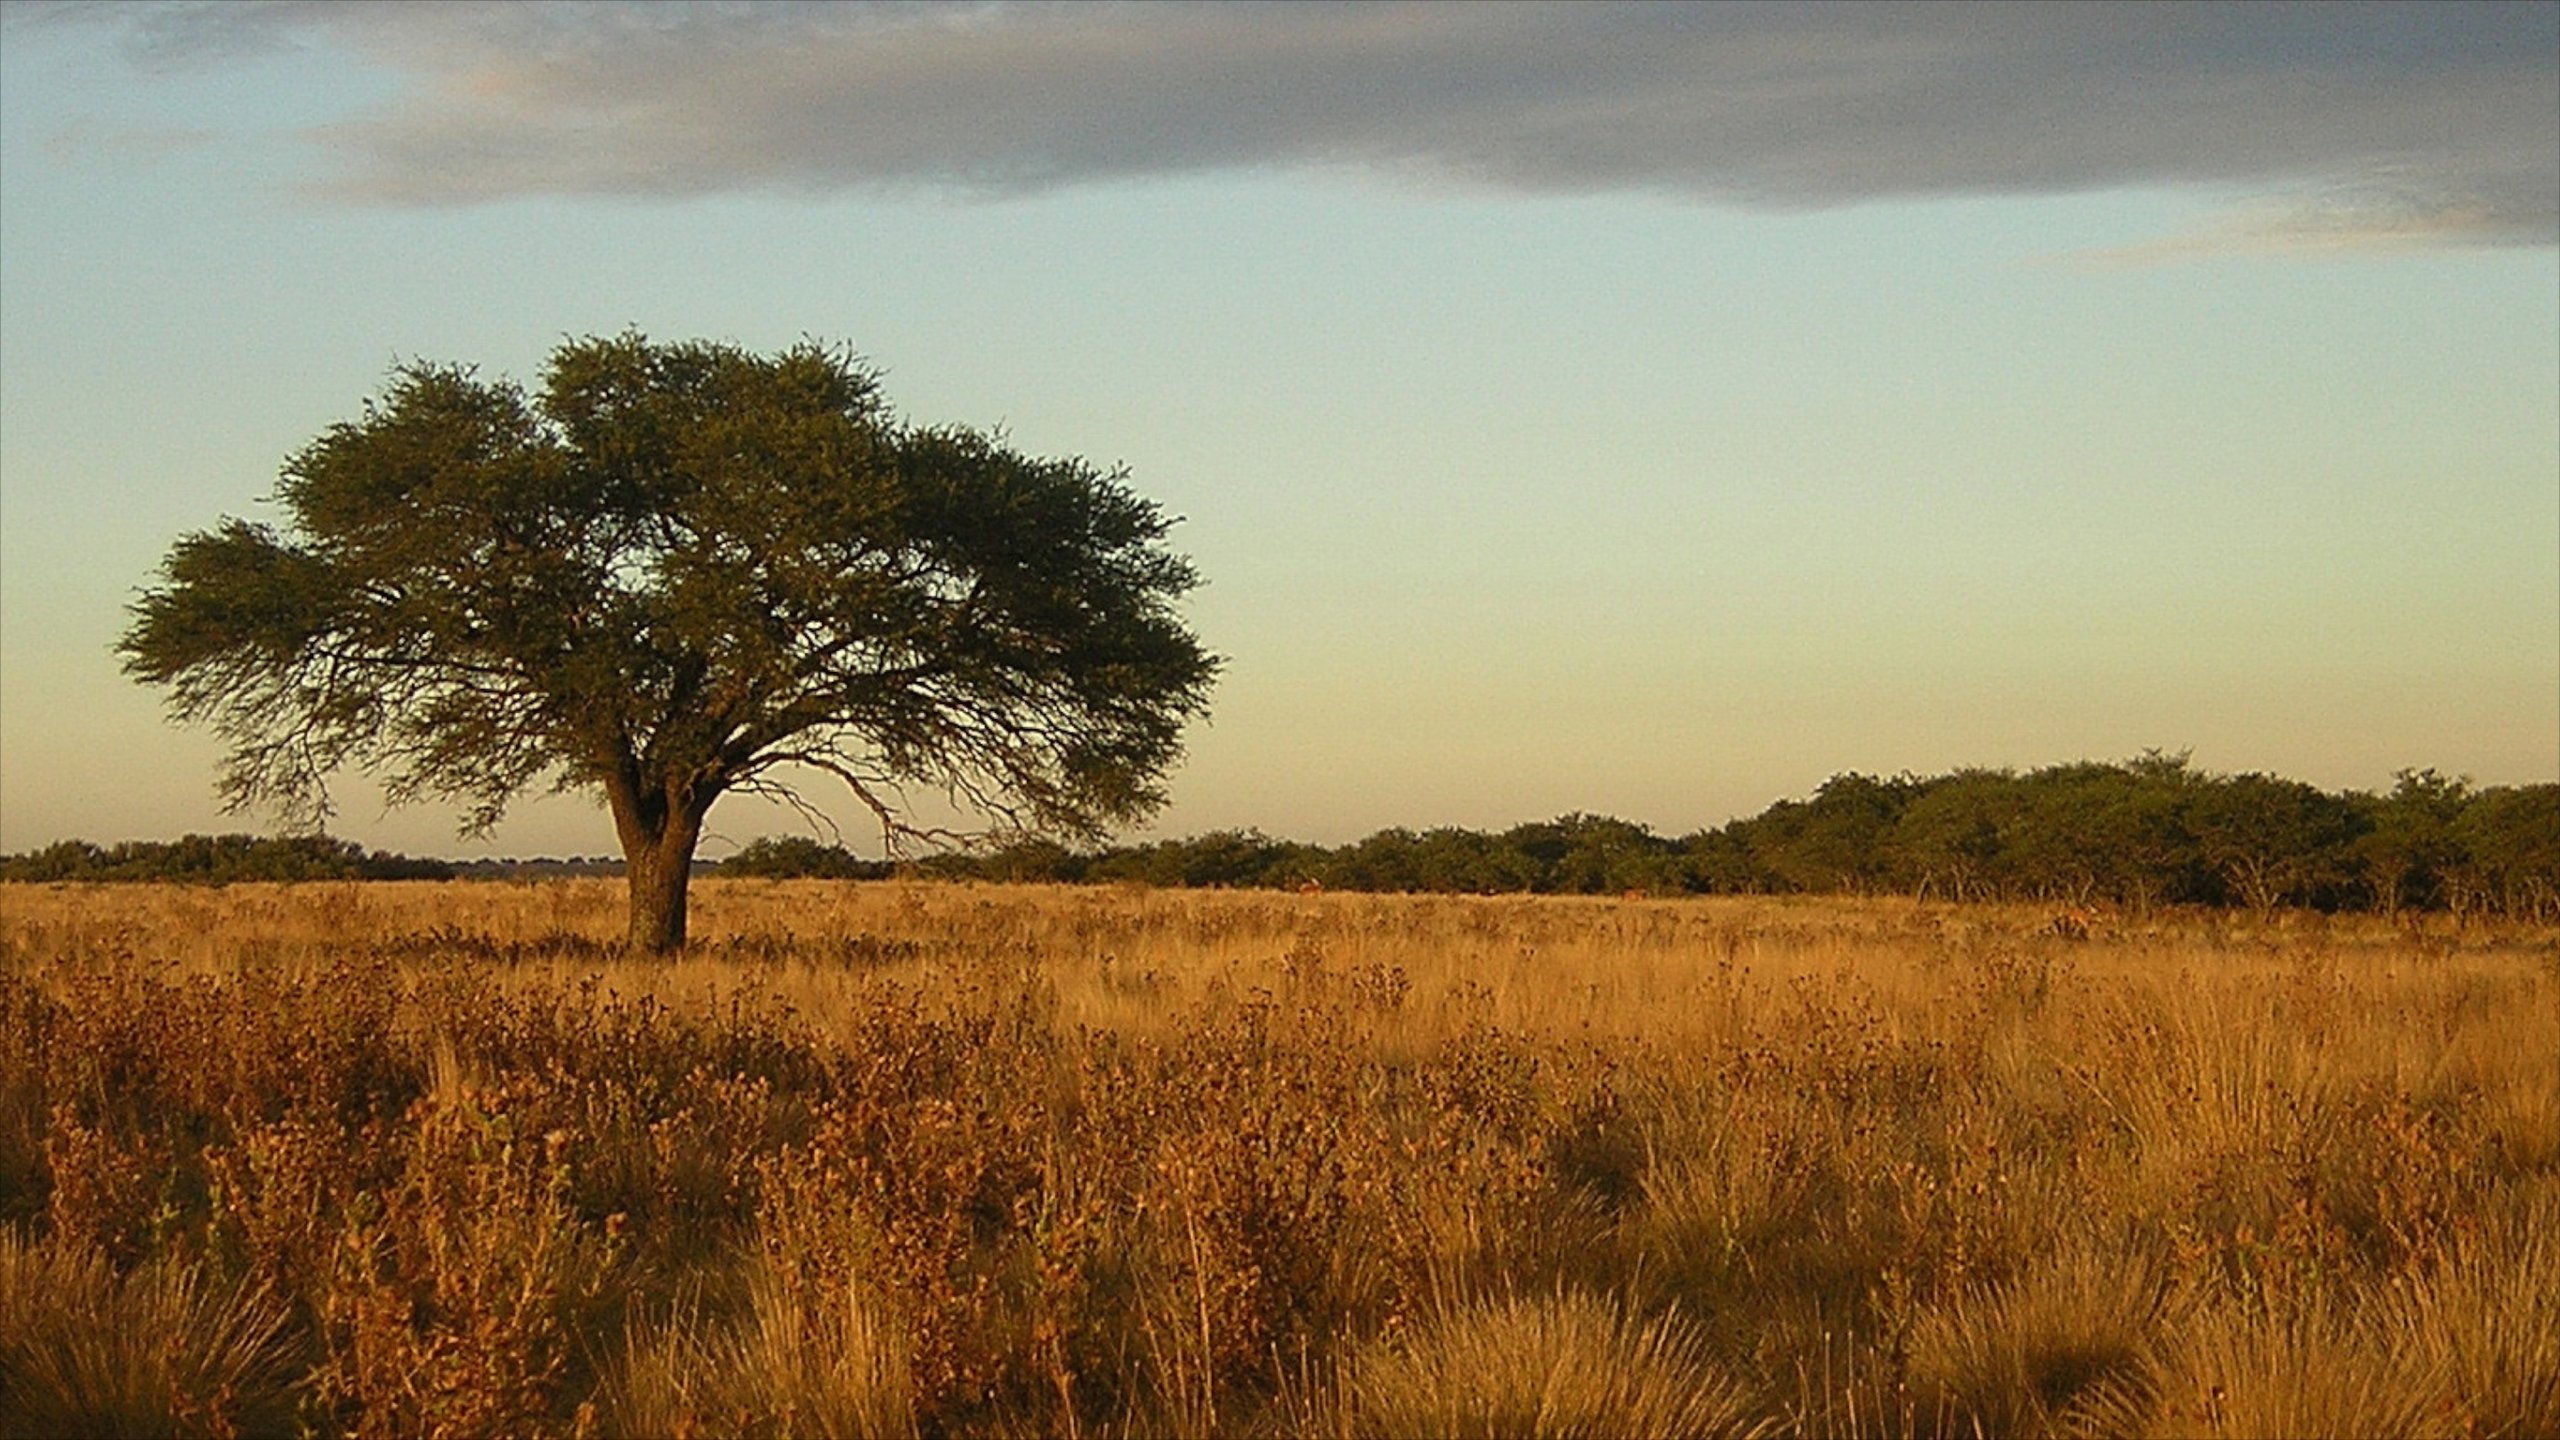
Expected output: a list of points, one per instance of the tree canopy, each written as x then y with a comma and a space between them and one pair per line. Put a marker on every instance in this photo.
671, 573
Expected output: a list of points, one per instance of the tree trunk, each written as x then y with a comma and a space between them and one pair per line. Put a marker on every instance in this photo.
658, 831
658, 876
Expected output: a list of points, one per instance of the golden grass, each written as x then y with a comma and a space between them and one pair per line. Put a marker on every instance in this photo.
159, 1350
915, 1159
1542, 1368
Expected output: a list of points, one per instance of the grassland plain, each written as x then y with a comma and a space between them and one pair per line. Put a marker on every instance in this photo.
397, 1159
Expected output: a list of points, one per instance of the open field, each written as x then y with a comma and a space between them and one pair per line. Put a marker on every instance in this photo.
888, 1158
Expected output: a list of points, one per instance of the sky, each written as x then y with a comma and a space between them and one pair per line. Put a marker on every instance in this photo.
1641, 410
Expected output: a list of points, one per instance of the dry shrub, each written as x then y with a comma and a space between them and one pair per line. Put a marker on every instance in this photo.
110, 1185
461, 1295
1550, 1367
924, 1162
159, 1351
1468, 1202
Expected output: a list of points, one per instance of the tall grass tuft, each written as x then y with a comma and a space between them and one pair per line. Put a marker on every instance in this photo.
2242, 1369
2014, 1358
1550, 1367
2488, 1321
160, 1351
799, 1360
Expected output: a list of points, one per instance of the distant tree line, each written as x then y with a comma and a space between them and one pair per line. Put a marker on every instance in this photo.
2147, 832
220, 859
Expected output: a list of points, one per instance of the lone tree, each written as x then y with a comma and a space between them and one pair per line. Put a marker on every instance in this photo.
675, 572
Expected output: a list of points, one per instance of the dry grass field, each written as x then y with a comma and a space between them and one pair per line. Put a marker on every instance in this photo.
907, 1159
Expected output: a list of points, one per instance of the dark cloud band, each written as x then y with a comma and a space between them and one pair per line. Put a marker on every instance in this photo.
2438, 122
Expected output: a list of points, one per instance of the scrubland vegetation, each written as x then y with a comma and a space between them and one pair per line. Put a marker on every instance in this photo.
2152, 831
898, 1158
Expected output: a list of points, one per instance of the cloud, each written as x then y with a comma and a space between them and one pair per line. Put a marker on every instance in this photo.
2436, 123
2366, 220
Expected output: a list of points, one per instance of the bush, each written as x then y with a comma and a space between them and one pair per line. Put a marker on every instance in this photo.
796, 857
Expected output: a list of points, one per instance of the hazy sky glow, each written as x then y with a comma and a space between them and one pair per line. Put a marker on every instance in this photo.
1648, 410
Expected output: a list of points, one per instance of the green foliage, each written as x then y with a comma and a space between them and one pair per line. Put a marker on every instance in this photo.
1953, 836
2507, 847
1224, 859
1453, 860
219, 859
797, 857
2409, 842
2147, 832
2141, 834
672, 572
1836, 840
2275, 842
1582, 854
